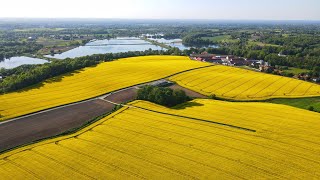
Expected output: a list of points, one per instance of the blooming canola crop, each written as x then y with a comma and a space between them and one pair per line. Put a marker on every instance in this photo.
203, 139
91, 82
240, 84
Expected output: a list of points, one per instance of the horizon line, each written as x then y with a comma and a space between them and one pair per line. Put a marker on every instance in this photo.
155, 19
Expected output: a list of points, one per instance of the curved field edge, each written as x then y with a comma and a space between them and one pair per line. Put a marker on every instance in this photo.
212, 150
104, 118
121, 74
242, 85
63, 134
66, 135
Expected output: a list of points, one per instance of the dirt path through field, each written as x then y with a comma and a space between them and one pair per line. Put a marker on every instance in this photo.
48, 123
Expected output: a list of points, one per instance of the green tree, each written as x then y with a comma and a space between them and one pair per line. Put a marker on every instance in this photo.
311, 108
162, 96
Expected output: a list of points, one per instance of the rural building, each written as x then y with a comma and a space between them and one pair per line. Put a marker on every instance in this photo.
31, 38
265, 68
316, 79
233, 60
229, 60
256, 63
281, 55
237, 62
202, 57
215, 60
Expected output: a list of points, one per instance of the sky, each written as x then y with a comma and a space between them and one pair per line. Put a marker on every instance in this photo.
164, 9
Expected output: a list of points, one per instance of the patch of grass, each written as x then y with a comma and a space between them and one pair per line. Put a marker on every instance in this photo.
215, 30
304, 103
56, 45
38, 29
222, 38
295, 71
250, 42
55, 42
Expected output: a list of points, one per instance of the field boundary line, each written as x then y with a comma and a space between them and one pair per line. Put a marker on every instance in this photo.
186, 117
197, 119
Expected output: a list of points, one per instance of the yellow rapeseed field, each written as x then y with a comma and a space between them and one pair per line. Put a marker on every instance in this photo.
204, 139
91, 82
240, 84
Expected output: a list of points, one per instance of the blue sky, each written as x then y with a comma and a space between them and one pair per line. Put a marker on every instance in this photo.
165, 9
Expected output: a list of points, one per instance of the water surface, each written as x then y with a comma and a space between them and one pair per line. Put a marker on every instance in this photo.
116, 45
18, 61
176, 43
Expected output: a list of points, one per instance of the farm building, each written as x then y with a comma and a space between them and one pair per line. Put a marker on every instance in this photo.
228, 60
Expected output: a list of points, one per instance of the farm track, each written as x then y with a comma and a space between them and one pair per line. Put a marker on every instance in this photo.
33, 127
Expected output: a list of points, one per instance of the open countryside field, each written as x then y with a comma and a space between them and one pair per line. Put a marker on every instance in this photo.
304, 103
222, 38
295, 71
44, 125
92, 82
53, 122
201, 139
217, 38
258, 43
240, 84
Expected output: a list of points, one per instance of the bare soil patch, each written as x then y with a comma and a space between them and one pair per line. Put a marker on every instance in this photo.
51, 123
123, 96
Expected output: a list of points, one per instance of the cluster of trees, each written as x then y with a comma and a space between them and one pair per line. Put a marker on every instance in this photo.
269, 54
307, 75
308, 62
298, 41
15, 48
31, 75
196, 40
162, 95
299, 44
315, 71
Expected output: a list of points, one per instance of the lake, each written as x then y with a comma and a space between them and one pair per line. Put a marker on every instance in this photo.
18, 61
176, 43
116, 45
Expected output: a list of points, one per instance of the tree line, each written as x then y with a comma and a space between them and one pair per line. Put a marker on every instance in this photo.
14, 48
196, 40
27, 75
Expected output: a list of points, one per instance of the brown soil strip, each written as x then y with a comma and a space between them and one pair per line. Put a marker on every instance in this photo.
51, 123
123, 96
